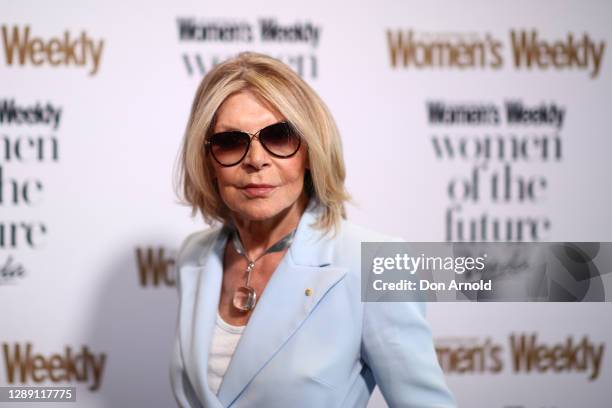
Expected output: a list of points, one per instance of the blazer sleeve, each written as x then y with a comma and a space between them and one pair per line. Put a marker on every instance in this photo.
398, 348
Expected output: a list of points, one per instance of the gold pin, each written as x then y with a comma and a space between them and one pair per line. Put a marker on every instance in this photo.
308, 292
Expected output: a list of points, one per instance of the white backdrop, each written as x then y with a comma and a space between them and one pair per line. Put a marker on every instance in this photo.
69, 274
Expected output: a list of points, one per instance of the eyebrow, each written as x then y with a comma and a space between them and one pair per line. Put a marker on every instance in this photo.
227, 128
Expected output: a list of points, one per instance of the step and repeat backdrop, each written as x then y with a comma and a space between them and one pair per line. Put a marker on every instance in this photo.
461, 121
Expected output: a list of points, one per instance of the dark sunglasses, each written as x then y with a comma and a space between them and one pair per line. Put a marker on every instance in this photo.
230, 148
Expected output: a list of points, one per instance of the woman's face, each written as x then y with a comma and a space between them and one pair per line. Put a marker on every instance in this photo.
261, 186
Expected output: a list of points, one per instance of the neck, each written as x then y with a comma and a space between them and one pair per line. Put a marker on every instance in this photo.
258, 235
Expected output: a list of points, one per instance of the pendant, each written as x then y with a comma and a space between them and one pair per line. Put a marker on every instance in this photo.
245, 298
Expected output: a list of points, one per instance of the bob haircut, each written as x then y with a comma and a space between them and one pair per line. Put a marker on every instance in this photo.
275, 83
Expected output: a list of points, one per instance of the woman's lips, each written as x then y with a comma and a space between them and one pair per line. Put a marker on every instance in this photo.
258, 190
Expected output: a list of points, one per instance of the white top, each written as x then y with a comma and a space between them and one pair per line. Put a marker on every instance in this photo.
224, 341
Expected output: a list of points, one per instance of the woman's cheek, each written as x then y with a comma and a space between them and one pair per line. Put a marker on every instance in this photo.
229, 195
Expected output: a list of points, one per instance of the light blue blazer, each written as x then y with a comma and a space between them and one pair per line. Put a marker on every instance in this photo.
324, 350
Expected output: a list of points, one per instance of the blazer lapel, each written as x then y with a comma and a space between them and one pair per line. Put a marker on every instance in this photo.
283, 306
204, 302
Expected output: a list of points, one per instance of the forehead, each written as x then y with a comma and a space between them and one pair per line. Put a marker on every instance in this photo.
247, 111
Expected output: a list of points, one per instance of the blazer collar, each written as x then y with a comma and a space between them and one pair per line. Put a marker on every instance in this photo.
311, 247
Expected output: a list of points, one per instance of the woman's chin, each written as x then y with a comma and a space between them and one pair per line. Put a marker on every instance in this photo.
259, 211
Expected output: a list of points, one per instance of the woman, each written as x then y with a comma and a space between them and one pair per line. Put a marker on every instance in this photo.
270, 310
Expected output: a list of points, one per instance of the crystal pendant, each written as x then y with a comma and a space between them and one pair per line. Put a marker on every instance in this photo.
245, 298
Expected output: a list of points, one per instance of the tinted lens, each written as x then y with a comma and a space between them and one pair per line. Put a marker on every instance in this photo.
229, 147
280, 139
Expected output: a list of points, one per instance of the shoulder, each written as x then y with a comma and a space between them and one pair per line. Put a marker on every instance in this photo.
351, 232
348, 240
352, 235
197, 245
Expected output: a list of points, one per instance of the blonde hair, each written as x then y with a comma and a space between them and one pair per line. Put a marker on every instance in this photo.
283, 89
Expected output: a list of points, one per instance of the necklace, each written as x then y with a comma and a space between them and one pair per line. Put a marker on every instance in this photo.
245, 296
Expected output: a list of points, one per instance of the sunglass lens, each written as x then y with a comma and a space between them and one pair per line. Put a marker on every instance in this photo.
229, 147
280, 139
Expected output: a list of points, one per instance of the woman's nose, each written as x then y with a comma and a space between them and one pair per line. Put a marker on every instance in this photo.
257, 156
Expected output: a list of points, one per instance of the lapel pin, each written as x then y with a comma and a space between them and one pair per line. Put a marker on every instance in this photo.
308, 292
